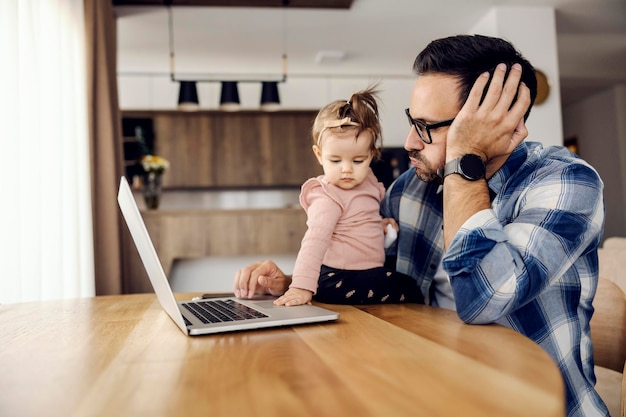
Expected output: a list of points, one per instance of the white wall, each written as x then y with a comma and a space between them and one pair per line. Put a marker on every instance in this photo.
599, 125
533, 32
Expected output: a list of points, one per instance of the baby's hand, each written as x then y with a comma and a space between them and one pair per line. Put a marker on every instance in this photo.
390, 221
391, 231
294, 297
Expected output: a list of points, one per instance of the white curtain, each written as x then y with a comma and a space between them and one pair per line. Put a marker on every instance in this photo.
46, 244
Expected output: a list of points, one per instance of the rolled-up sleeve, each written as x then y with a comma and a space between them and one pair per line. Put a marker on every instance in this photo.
501, 258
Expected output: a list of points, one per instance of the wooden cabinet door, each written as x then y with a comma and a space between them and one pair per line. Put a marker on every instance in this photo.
289, 136
264, 149
241, 150
187, 141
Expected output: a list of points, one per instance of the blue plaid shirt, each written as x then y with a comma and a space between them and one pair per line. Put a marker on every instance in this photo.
529, 263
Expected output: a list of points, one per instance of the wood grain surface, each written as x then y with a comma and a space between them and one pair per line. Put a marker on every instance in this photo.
122, 356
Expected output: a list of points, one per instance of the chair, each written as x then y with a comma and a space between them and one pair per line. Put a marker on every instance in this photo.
615, 242
608, 333
612, 262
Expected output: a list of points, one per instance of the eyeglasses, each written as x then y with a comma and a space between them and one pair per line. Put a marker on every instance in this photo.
423, 129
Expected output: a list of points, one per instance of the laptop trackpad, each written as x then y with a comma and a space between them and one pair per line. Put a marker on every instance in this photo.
264, 304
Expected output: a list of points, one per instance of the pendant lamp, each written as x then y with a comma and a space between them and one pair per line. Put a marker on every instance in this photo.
188, 96
270, 101
229, 97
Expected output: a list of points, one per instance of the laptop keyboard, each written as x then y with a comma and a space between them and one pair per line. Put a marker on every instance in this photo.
217, 311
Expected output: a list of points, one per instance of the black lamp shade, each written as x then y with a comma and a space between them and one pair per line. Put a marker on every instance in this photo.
188, 96
269, 96
229, 97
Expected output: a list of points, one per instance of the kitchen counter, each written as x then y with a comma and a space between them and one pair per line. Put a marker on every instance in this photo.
224, 199
200, 233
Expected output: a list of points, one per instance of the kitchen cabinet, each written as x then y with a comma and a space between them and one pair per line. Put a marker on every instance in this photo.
213, 149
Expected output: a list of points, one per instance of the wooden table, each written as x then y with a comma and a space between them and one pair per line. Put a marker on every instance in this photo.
122, 356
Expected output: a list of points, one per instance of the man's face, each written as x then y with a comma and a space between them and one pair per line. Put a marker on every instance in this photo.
434, 98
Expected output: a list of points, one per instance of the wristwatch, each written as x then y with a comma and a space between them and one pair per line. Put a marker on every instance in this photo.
469, 166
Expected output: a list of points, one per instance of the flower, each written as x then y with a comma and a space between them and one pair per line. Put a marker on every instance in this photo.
153, 163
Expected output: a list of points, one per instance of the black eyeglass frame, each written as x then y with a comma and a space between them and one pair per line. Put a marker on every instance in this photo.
418, 125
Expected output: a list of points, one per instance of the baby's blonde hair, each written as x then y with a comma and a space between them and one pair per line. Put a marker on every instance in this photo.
360, 113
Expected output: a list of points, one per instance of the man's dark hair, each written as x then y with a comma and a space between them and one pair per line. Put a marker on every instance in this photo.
468, 56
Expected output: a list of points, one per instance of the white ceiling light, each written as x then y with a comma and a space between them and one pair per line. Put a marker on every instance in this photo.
327, 57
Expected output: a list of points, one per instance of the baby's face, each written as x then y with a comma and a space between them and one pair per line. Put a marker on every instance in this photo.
344, 158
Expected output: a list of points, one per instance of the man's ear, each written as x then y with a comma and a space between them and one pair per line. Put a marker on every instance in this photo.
519, 134
318, 153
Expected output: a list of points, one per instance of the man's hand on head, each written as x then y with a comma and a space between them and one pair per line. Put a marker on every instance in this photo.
493, 128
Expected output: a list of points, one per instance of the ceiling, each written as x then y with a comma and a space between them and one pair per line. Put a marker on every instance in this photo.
354, 37
323, 4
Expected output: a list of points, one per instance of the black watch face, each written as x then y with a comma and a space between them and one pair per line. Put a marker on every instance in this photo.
472, 167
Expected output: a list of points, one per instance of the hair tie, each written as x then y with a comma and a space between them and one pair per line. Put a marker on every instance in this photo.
344, 110
329, 124
346, 121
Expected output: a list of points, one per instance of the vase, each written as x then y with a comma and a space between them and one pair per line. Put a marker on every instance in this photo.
152, 190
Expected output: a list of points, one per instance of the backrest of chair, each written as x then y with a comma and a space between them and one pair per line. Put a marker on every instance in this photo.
615, 242
608, 326
612, 263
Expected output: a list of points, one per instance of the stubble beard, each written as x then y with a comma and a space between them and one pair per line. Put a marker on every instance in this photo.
428, 174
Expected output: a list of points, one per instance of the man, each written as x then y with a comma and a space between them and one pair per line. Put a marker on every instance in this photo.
498, 229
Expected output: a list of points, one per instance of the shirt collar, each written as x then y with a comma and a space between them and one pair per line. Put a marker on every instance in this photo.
512, 164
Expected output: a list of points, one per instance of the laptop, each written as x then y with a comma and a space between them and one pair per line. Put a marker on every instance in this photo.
214, 315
